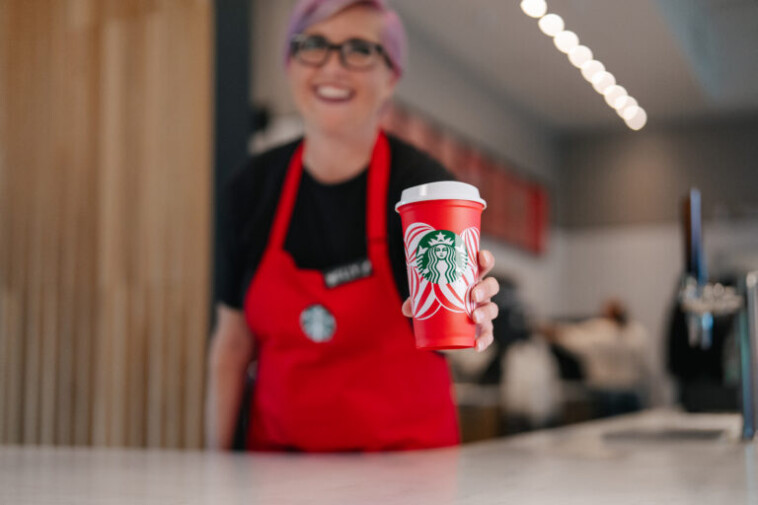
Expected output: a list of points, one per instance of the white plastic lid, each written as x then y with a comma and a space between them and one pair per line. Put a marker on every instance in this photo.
443, 190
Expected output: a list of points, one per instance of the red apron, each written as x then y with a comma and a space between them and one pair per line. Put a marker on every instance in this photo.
338, 369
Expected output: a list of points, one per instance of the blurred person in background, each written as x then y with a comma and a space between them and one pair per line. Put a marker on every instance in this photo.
615, 357
314, 273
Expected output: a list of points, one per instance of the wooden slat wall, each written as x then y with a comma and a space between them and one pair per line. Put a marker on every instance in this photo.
105, 174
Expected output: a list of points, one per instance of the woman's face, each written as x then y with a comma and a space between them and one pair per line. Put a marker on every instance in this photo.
333, 99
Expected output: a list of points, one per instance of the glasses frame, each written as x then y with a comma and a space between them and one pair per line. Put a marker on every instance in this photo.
341, 49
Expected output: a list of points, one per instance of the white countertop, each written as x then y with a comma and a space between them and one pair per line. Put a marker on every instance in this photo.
573, 465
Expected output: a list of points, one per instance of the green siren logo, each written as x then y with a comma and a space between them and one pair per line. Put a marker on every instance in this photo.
441, 257
442, 269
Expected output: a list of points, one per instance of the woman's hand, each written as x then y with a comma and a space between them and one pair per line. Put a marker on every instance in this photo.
482, 293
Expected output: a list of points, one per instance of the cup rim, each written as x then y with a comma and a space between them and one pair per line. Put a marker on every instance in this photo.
441, 190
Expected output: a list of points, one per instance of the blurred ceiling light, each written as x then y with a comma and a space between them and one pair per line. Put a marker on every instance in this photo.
579, 55
613, 93
551, 25
591, 68
624, 102
602, 81
637, 121
534, 8
629, 112
566, 40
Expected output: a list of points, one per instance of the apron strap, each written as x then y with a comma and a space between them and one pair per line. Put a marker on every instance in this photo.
376, 192
287, 200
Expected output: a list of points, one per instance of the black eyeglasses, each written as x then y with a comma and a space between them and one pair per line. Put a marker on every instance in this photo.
355, 54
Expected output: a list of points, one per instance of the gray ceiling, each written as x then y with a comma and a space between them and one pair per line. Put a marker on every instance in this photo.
681, 59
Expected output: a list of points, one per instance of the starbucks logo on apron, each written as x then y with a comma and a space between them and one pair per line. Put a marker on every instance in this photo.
318, 323
441, 257
442, 269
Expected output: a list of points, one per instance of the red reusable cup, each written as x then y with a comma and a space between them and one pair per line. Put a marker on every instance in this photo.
441, 227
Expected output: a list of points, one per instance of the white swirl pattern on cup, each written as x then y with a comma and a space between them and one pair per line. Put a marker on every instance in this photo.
427, 297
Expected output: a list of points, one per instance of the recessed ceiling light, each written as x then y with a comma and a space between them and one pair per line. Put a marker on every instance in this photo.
602, 81
638, 120
579, 55
591, 68
624, 102
566, 40
534, 8
613, 93
629, 112
551, 25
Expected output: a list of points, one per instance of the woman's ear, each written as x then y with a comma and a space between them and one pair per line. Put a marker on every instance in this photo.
391, 83
394, 78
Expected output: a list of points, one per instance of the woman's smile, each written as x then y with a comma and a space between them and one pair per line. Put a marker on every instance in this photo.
333, 93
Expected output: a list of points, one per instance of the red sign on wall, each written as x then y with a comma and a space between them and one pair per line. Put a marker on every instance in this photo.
517, 207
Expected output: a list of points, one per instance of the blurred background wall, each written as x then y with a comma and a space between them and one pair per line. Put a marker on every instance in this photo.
105, 205
622, 216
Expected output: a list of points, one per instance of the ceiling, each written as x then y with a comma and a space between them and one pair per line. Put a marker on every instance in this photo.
681, 59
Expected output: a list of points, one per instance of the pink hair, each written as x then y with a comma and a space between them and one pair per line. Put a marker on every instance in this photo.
309, 12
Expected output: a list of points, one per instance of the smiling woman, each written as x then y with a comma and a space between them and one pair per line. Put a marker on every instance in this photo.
335, 96
314, 270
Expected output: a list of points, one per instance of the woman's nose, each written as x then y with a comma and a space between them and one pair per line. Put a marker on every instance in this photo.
333, 62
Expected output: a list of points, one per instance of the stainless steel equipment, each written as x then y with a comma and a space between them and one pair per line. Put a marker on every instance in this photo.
702, 300
749, 355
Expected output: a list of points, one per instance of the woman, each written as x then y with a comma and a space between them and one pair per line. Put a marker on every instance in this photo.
314, 270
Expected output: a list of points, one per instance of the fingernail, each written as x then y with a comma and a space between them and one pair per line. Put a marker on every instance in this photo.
477, 296
477, 317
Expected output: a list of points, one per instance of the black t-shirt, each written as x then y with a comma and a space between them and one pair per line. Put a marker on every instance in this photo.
328, 225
